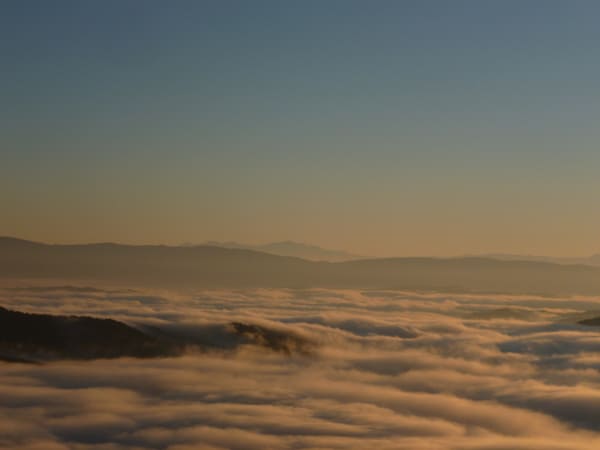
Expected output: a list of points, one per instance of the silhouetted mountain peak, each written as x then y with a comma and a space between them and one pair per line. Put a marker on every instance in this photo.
293, 248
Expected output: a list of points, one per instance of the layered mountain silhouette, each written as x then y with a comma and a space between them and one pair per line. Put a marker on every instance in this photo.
291, 248
593, 260
217, 267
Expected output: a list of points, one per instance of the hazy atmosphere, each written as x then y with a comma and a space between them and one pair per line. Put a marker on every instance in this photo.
299, 225
387, 128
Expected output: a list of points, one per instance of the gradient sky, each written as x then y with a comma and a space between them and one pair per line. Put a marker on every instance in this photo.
380, 127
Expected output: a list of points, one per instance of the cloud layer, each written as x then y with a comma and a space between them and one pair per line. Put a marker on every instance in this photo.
387, 370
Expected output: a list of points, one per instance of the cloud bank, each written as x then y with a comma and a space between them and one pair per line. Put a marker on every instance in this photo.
386, 370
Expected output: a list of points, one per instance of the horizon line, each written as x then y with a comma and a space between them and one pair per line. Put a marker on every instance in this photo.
213, 243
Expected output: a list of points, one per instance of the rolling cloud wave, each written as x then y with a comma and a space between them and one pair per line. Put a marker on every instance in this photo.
387, 370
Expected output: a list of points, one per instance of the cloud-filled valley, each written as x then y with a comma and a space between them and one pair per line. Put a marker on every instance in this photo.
360, 369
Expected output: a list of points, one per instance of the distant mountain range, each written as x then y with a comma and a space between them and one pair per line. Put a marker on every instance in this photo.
593, 260
316, 253
290, 248
207, 266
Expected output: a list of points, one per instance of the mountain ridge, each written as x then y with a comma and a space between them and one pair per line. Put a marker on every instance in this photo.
593, 259
217, 267
290, 248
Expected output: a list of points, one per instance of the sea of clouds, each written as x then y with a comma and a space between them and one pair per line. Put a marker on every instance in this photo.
383, 370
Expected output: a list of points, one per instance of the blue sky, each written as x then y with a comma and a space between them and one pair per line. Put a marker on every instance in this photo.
384, 127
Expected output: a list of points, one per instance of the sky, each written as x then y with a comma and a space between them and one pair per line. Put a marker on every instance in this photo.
381, 127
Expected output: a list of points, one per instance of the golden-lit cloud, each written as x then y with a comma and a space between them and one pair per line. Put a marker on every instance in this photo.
390, 370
